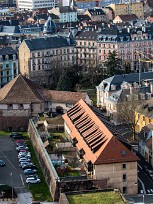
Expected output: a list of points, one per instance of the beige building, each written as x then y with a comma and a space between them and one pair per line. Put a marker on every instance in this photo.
103, 155
129, 8
22, 99
38, 56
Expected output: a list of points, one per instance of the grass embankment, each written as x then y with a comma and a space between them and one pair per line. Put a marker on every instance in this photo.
39, 191
96, 198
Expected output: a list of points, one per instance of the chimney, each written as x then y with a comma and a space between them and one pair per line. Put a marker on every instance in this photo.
128, 29
109, 25
151, 87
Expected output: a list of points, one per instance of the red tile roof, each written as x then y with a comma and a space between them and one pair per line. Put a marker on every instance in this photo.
128, 17
21, 90
66, 96
98, 143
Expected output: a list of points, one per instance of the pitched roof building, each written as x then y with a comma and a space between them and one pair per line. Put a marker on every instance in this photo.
102, 153
22, 98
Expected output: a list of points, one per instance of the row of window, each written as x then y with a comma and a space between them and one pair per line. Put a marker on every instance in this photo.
52, 52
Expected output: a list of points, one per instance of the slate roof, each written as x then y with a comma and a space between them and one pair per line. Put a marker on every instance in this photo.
10, 29
82, 17
66, 96
96, 11
150, 3
130, 78
98, 143
92, 35
7, 51
66, 9
21, 90
46, 43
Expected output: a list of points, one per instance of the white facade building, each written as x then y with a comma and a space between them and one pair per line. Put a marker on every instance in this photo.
35, 4
67, 14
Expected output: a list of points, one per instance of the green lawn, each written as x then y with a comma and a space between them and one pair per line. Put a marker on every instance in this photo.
92, 94
96, 198
39, 191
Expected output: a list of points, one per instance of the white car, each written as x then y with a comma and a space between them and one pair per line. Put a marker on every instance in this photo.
27, 155
22, 159
22, 147
32, 179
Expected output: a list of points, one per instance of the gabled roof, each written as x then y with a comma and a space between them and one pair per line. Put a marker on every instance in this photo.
93, 137
66, 96
128, 17
21, 90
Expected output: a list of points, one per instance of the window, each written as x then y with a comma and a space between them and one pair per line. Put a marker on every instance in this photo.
123, 166
123, 152
10, 106
124, 177
21, 106
124, 189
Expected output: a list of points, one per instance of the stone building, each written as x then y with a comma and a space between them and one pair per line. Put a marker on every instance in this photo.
103, 155
22, 99
37, 57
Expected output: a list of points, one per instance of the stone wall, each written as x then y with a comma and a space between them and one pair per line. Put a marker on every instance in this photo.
59, 185
13, 122
50, 174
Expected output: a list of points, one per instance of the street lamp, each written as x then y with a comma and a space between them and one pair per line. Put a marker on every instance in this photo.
11, 184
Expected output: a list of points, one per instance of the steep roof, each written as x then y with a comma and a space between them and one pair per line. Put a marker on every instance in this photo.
94, 138
66, 96
46, 43
7, 51
21, 90
128, 17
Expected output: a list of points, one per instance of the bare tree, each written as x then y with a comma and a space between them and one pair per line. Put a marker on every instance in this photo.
127, 110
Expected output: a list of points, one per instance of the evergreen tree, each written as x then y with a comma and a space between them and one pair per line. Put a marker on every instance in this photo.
113, 64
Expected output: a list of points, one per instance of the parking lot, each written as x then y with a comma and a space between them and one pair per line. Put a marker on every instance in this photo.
11, 174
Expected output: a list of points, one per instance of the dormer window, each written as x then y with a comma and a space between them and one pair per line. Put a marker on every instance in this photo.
123, 152
113, 87
14, 57
128, 97
6, 57
135, 97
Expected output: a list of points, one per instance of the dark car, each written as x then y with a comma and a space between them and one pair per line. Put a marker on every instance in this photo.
30, 171
2, 163
15, 135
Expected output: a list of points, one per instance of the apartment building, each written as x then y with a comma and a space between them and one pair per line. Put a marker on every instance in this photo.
129, 8
131, 43
38, 56
34, 4
8, 65
67, 14
103, 155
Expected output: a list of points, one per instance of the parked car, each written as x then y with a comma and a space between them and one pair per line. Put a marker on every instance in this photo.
32, 179
16, 135
21, 147
30, 171
24, 154
29, 166
24, 163
2, 163
23, 150
22, 159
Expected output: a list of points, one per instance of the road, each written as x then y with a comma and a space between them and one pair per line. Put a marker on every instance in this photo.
12, 174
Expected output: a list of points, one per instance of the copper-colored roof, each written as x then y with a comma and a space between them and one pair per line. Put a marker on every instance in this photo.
66, 96
21, 90
98, 143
